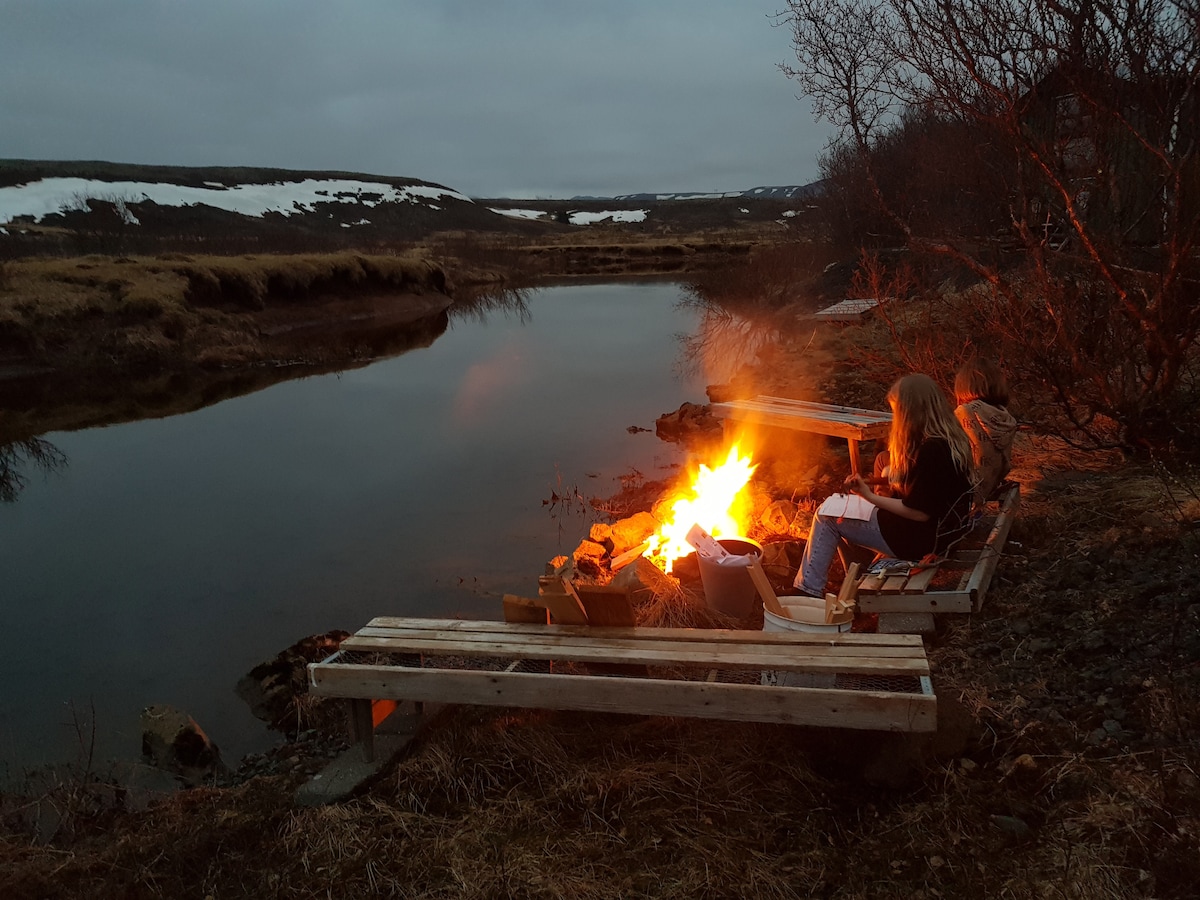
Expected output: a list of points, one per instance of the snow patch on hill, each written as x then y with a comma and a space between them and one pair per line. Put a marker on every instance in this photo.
49, 196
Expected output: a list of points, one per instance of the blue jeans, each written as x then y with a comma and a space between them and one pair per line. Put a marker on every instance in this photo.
823, 538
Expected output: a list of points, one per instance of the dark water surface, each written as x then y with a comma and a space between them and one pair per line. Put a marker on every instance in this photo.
170, 556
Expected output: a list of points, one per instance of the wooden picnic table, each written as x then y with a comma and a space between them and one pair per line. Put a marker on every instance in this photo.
849, 422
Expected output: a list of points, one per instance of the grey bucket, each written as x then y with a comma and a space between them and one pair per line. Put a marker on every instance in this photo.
728, 587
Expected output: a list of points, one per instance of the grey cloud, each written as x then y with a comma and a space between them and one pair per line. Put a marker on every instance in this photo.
534, 97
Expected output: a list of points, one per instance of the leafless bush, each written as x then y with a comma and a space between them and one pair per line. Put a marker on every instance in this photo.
1051, 150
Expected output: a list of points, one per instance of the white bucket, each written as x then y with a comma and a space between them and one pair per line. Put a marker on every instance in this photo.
808, 614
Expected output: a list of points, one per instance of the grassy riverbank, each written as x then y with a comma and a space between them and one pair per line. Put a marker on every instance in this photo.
1065, 764
96, 312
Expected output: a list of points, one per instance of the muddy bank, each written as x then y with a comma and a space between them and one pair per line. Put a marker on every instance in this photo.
35, 400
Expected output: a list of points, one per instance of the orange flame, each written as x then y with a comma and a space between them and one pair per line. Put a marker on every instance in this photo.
709, 503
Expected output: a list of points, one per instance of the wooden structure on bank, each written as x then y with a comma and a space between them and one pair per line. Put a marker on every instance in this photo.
868, 681
849, 422
959, 583
853, 310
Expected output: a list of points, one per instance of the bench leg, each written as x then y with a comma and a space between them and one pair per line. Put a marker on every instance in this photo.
362, 728
854, 467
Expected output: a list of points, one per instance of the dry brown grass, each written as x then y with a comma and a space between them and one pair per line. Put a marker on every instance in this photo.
1100, 570
44, 289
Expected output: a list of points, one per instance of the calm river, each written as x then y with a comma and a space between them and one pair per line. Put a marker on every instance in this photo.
170, 556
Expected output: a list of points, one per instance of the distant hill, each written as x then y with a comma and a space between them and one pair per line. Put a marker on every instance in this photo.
788, 192
94, 206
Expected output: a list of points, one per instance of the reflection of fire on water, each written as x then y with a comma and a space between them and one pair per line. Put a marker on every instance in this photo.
711, 503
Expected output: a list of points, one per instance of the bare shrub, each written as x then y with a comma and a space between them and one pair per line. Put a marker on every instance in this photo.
1051, 150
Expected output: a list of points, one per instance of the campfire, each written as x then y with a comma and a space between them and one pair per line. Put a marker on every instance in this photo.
712, 546
711, 501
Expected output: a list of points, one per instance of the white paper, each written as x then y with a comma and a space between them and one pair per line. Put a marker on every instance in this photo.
705, 544
847, 506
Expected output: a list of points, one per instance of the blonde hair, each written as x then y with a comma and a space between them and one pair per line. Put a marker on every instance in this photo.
920, 411
981, 379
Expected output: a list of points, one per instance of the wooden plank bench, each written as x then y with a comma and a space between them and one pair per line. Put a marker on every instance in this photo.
957, 585
875, 682
851, 310
849, 422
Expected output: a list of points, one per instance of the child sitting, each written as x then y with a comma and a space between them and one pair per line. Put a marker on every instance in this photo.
981, 391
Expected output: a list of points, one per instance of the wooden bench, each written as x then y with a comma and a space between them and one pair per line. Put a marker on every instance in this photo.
849, 422
868, 681
852, 310
956, 585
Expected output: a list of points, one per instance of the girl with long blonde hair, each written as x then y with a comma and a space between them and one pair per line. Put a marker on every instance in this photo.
930, 476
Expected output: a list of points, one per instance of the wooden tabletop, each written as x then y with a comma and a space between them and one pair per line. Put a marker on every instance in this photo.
801, 415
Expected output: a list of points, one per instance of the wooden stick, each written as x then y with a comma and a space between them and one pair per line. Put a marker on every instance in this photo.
620, 562
845, 596
763, 585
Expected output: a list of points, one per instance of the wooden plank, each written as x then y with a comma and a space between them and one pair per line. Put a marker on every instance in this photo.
763, 585
557, 595
606, 605
894, 584
875, 710
625, 640
659, 653
928, 602
851, 310
832, 428
919, 582
837, 609
806, 409
871, 584
622, 560
819, 660
465, 627
522, 609
981, 578
810, 408
362, 727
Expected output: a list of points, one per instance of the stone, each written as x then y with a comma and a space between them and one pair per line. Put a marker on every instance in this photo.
628, 533
172, 740
271, 688
601, 533
778, 517
560, 565
906, 623
589, 557
1011, 825
691, 423
780, 560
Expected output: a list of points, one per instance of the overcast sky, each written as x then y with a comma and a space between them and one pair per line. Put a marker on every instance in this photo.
494, 98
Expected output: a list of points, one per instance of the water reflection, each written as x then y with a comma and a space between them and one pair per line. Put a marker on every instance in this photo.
476, 306
16, 459
726, 338
180, 551
38, 404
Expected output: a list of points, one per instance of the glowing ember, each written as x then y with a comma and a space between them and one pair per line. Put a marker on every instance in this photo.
709, 503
